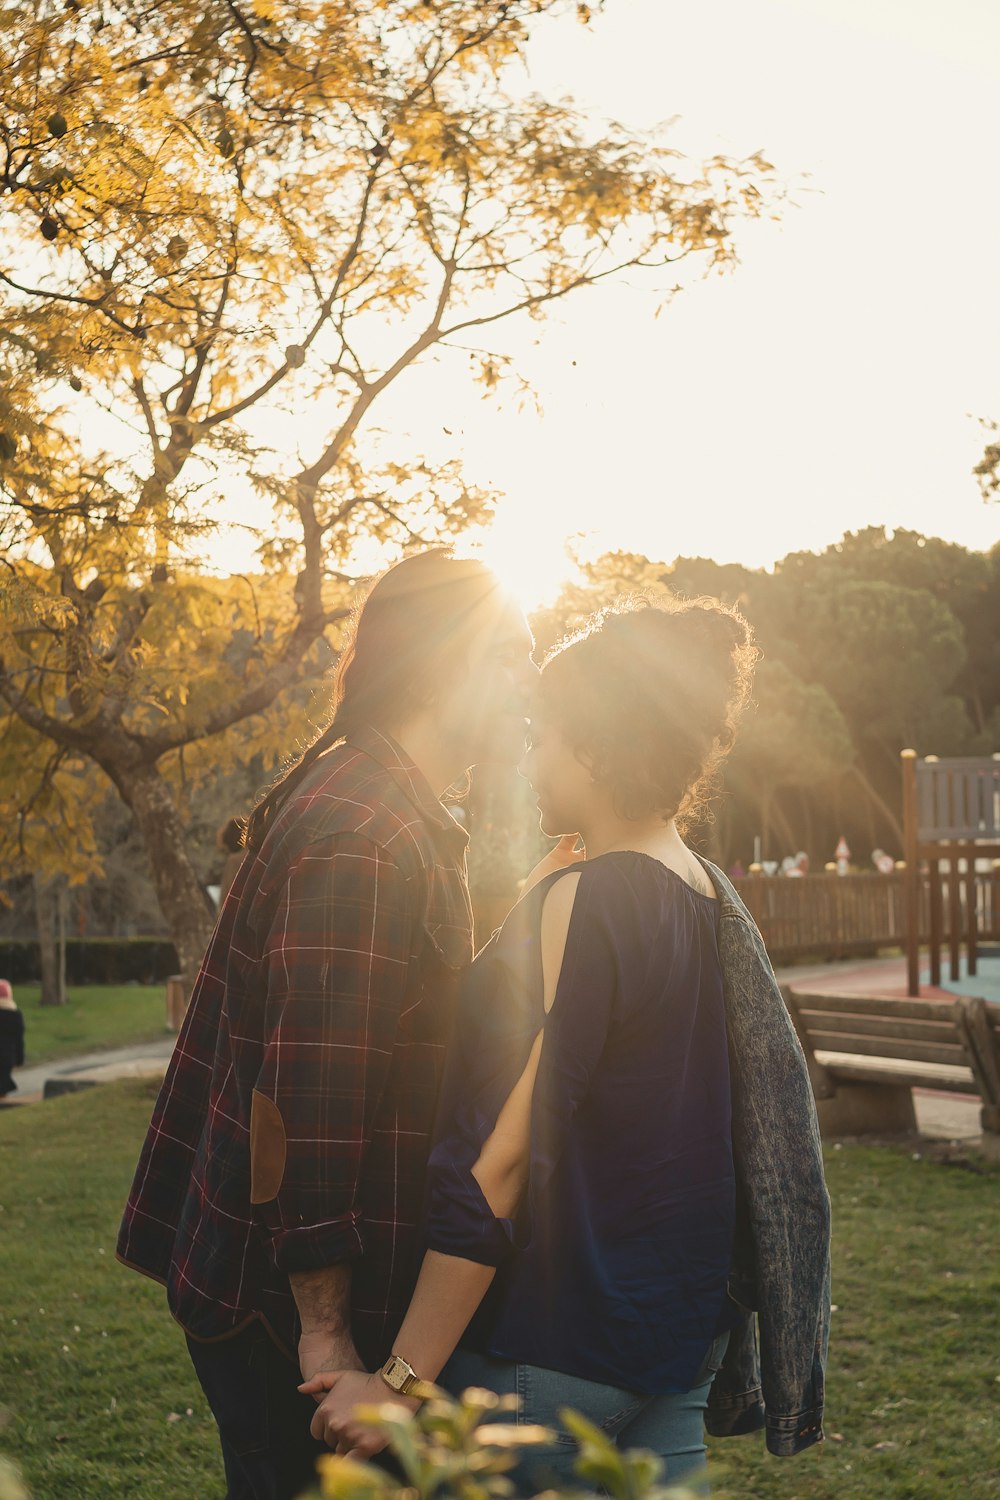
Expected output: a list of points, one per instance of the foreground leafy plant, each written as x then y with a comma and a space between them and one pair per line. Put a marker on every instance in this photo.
457, 1448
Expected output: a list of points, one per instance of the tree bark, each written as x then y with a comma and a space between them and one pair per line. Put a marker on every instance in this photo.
186, 905
53, 970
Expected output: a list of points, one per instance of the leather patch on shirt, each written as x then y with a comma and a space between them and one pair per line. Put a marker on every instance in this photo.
267, 1148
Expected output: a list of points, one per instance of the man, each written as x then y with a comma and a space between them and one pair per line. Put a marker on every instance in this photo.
279, 1189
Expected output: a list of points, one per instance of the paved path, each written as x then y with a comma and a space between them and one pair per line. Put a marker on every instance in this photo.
887, 976
141, 1059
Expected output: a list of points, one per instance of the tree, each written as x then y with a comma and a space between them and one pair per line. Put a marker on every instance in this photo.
987, 470
967, 583
795, 737
47, 837
231, 229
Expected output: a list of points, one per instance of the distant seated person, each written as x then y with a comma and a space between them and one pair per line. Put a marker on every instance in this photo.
11, 1039
230, 838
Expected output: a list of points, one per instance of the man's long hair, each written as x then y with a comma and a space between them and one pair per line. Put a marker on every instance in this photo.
405, 636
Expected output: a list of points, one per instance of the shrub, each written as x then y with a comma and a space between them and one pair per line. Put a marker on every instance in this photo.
458, 1449
94, 960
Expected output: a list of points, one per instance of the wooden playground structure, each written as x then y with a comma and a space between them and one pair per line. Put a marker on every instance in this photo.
951, 816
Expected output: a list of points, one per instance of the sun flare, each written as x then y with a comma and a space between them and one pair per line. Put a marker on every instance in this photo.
533, 568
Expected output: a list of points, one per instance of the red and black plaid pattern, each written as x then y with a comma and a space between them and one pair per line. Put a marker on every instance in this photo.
327, 989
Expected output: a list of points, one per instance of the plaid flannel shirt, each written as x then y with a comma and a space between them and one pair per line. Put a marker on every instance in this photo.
293, 1125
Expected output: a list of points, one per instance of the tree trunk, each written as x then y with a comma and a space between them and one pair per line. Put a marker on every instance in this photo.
879, 802
61, 902
807, 823
783, 826
186, 906
53, 968
766, 801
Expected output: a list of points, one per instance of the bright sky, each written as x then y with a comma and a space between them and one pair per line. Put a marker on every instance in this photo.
834, 380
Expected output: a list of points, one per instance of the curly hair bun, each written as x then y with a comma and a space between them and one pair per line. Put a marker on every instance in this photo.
652, 690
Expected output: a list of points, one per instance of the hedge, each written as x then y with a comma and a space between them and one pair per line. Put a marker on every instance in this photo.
94, 960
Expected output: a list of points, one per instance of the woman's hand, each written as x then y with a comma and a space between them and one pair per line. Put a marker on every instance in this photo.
334, 1422
564, 853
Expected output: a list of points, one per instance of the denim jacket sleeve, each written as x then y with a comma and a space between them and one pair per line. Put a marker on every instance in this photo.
781, 1267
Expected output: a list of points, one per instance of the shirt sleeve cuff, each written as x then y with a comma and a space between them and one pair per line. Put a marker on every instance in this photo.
314, 1247
461, 1222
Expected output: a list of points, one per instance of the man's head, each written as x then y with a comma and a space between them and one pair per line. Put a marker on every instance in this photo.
435, 646
438, 638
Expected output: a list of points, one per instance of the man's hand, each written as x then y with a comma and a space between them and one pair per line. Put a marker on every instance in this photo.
562, 854
335, 1423
327, 1350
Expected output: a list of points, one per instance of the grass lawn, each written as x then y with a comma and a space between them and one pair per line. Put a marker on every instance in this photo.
96, 1380
95, 1017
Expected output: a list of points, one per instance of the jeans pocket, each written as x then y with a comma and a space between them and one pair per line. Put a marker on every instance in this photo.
545, 1393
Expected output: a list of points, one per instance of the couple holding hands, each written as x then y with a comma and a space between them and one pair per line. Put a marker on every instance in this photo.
582, 1167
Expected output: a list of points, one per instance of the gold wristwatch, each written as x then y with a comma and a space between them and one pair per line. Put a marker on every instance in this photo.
399, 1376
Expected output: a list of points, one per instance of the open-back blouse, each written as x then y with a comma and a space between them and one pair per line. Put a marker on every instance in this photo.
615, 1266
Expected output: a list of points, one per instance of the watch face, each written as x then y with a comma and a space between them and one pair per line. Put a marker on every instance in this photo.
395, 1373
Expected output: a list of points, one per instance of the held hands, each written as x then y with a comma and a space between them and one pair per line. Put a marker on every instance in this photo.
334, 1422
323, 1349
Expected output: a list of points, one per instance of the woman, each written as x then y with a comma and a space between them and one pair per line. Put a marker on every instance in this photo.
584, 1195
11, 1039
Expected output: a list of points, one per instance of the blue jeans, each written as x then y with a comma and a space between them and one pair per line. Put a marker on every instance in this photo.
670, 1426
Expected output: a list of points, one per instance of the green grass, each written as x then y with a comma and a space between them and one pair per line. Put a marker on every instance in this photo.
91, 1366
95, 1017
913, 1400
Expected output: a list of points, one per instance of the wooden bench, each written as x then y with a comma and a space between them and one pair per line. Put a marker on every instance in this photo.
865, 1055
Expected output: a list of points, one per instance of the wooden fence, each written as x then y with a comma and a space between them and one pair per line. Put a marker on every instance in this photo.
824, 916
835, 916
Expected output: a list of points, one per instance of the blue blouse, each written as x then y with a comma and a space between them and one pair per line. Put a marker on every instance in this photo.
615, 1267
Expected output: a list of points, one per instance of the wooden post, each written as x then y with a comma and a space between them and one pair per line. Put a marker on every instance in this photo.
934, 878
177, 1000
912, 874
971, 922
954, 914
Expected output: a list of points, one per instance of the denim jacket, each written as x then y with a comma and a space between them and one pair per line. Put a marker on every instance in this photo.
781, 1257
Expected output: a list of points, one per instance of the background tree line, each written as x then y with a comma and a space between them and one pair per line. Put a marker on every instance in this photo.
879, 642
882, 641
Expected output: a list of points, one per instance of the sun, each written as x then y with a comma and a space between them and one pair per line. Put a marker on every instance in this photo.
534, 568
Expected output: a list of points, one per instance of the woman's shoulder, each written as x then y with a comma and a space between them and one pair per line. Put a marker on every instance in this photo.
624, 892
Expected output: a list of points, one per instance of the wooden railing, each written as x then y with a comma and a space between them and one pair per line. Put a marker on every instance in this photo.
834, 916
823, 916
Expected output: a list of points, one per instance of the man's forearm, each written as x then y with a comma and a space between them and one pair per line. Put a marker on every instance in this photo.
323, 1299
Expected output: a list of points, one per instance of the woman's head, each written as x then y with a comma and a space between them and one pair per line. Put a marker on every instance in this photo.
640, 709
434, 632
